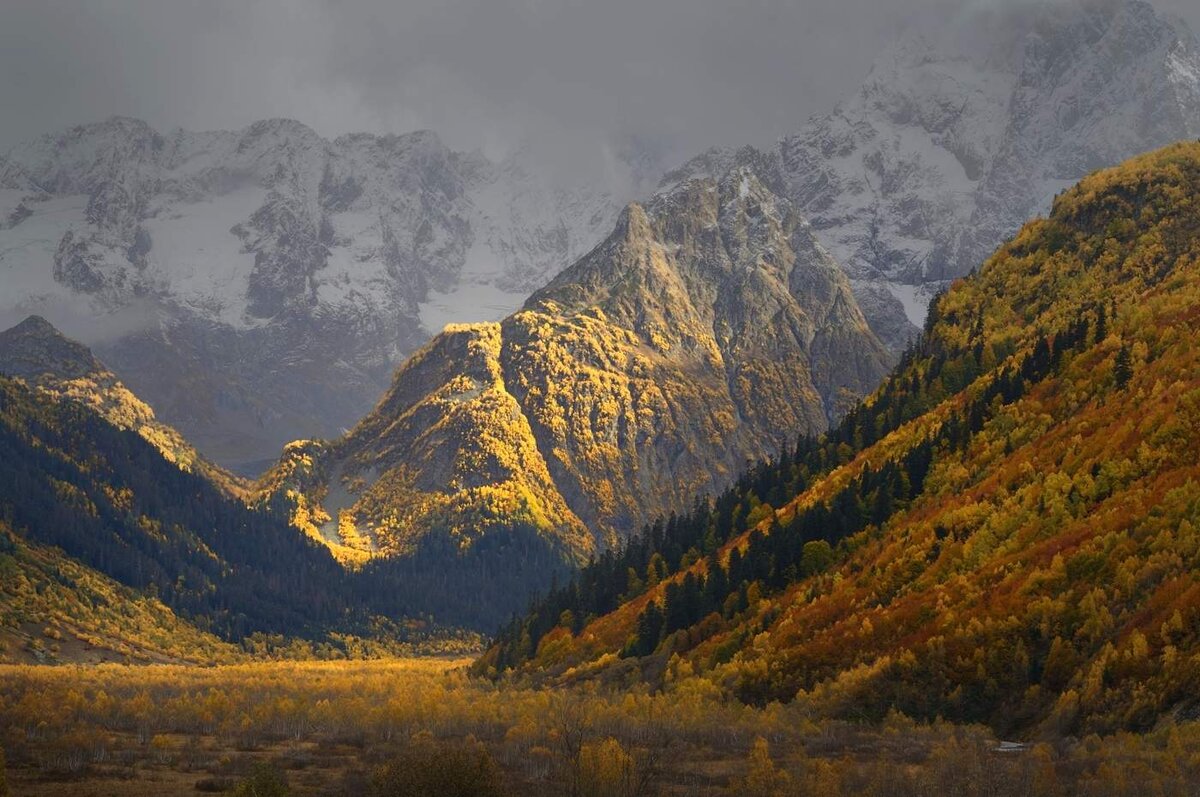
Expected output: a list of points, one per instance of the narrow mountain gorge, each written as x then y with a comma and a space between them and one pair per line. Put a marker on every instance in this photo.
109, 499
707, 331
116, 534
1005, 532
51, 574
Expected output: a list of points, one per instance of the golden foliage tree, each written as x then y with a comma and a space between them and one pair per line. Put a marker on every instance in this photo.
763, 778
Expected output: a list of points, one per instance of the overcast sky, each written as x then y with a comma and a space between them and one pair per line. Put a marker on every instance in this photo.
483, 73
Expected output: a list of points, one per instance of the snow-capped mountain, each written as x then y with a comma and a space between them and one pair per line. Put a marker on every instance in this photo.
262, 284
967, 127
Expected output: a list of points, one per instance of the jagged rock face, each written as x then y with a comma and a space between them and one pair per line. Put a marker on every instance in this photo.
266, 263
708, 329
35, 352
965, 129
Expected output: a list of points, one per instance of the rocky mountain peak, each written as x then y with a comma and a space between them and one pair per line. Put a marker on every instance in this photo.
36, 352
82, 159
275, 262
706, 329
717, 264
279, 127
35, 348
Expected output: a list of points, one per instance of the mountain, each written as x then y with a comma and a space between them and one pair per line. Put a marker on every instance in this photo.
110, 500
118, 544
55, 609
216, 272
1005, 532
709, 329
35, 352
968, 125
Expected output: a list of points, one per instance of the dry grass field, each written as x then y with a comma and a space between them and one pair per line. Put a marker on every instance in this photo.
423, 726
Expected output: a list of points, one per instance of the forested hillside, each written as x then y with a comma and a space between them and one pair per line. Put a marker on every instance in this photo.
108, 498
54, 609
109, 549
1006, 531
35, 352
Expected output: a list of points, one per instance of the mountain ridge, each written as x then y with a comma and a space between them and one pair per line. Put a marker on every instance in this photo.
1001, 534
217, 256
968, 125
36, 353
651, 370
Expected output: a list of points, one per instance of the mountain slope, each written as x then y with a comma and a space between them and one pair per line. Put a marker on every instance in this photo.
38, 354
220, 270
1005, 532
55, 609
969, 124
705, 331
108, 498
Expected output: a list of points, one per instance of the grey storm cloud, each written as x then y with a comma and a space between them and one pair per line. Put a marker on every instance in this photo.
563, 75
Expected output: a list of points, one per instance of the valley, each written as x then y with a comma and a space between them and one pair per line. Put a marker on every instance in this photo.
530, 458
954, 589
394, 727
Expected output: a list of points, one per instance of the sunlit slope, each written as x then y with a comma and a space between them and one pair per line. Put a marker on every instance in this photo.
54, 609
110, 500
1013, 516
708, 329
41, 356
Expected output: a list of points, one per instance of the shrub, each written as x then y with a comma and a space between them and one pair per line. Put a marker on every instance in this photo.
429, 769
214, 785
606, 770
264, 781
763, 778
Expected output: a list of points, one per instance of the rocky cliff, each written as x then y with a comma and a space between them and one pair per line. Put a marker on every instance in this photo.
707, 330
